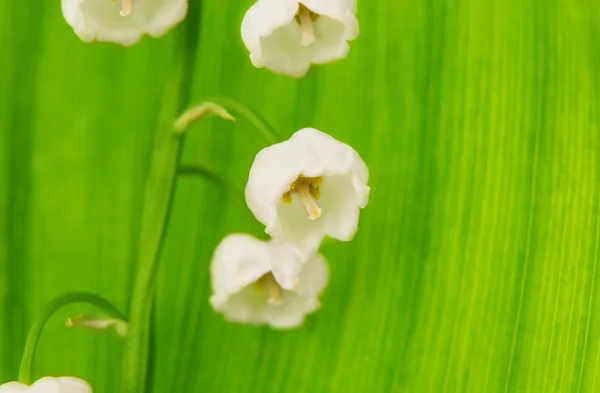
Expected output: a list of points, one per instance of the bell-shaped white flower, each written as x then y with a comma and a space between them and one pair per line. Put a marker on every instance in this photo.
49, 385
308, 187
122, 21
260, 282
287, 36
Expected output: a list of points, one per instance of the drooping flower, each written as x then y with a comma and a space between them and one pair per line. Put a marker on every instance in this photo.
287, 36
49, 385
260, 282
308, 187
122, 21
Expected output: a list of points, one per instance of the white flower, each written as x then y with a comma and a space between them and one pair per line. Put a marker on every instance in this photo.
308, 187
287, 36
122, 21
261, 282
49, 385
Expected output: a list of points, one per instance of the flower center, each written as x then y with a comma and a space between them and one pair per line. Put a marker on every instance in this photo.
126, 7
305, 19
268, 281
308, 188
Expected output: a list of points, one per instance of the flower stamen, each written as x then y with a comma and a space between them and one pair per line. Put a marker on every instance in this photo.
126, 8
274, 290
308, 188
305, 19
268, 281
311, 206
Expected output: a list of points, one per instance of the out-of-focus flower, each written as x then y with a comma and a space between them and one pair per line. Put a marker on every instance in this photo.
49, 385
122, 21
287, 36
308, 187
259, 282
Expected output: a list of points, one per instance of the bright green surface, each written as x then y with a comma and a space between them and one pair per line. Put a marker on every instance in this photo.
475, 266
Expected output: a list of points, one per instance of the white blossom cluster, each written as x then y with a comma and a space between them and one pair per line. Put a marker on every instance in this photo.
302, 190
285, 36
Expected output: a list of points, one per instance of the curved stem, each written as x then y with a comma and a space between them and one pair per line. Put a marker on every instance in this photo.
198, 170
255, 119
35, 333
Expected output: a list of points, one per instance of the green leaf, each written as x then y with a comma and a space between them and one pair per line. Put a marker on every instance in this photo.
475, 266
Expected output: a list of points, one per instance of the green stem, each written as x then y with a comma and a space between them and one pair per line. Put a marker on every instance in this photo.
255, 119
158, 204
25, 370
198, 170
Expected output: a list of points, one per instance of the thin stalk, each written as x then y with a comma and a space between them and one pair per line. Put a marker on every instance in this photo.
254, 118
26, 368
157, 210
201, 171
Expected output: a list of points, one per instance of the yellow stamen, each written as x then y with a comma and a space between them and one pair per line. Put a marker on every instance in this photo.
268, 281
306, 26
126, 7
315, 193
259, 285
308, 188
314, 211
274, 290
287, 198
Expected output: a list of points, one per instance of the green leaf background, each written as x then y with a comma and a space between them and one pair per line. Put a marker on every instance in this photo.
475, 266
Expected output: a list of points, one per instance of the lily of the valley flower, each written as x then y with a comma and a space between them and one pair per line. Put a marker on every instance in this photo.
287, 36
261, 282
122, 21
308, 187
49, 385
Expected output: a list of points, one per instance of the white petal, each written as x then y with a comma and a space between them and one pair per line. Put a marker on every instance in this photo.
240, 260
49, 385
286, 265
282, 52
100, 19
260, 22
46, 385
304, 299
293, 225
74, 385
13, 387
273, 37
262, 19
165, 16
336, 9
314, 278
311, 153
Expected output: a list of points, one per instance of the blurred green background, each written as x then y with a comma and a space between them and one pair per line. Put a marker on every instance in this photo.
475, 266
